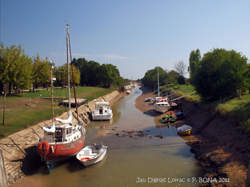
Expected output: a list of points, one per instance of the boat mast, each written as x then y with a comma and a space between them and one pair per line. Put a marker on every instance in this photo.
73, 78
52, 99
67, 48
158, 82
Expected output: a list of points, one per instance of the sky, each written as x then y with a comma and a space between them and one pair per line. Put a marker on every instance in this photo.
134, 35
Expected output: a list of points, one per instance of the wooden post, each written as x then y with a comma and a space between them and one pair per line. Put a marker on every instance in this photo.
3, 178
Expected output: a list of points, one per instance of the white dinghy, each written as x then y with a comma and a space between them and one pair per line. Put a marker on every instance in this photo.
92, 154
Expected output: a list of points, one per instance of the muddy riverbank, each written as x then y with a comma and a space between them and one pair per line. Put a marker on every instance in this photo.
220, 147
19, 149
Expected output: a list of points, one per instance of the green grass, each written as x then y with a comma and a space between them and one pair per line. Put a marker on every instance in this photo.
235, 108
29, 108
184, 89
82, 92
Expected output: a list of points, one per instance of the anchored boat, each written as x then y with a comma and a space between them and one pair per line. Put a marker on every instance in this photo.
184, 130
102, 111
61, 139
92, 154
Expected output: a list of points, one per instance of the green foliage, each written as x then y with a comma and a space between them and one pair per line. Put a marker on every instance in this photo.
41, 72
172, 77
15, 67
94, 74
194, 63
61, 74
150, 77
220, 74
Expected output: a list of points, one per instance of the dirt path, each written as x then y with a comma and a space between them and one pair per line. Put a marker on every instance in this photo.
220, 147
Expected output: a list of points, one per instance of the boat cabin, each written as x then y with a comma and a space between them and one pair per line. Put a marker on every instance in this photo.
60, 133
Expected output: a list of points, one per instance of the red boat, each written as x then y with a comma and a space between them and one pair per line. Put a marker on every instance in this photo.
61, 139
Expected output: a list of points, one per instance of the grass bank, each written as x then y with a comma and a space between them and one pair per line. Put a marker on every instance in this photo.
30, 108
235, 108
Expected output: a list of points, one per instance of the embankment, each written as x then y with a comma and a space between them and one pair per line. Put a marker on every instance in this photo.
221, 148
19, 149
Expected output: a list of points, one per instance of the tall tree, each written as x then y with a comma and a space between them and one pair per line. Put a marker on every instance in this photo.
221, 74
150, 77
41, 72
15, 67
194, 63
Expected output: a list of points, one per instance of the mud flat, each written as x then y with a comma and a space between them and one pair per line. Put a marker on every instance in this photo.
19, 149
220, 146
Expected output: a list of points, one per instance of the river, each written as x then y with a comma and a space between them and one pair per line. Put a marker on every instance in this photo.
140, 153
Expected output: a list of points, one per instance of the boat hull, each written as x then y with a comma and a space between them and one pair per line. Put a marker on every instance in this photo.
185, 133
59, 151
102, 117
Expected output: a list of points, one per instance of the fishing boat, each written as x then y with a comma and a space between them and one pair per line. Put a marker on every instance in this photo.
102, 111
61, 138
92, 154
184, 130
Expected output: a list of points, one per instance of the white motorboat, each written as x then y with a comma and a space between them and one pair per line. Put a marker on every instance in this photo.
102, 111
92, 154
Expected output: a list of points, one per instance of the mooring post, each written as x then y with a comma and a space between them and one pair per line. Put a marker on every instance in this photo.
3, 177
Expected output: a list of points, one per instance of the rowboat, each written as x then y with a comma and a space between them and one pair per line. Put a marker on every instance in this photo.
184, 130
92, 154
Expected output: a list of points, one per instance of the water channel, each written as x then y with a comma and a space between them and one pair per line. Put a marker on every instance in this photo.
139, 151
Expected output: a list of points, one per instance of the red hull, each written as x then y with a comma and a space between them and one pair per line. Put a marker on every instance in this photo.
60, 151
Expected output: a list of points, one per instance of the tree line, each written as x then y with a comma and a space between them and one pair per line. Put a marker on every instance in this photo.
165, 77
18, 71
219, 74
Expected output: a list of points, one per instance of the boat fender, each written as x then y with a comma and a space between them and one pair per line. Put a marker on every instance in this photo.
44, 147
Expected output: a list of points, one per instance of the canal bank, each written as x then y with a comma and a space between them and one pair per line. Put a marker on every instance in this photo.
220, 146
140, 153
19, 149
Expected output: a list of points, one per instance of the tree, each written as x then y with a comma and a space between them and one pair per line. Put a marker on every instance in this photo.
172, 77
150, 77
15, 68
180, 67
221, 74
194, 63
41, 72
61, 74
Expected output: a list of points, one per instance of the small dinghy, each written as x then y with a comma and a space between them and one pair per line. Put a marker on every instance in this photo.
92, 154
184, 130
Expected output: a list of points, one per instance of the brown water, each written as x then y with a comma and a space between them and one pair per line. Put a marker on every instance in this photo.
134, 158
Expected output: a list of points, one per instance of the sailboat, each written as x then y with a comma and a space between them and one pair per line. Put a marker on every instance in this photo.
161, 104
61, 139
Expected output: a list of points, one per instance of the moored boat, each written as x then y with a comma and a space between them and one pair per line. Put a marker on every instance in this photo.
92, 154
61, 138
184, 130
102, 111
